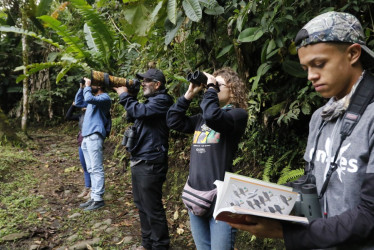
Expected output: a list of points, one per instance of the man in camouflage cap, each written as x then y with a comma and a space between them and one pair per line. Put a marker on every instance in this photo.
331, 48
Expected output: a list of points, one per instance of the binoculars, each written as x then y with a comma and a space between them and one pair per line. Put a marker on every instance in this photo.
130, 138
99, 78
307, 204
197, 78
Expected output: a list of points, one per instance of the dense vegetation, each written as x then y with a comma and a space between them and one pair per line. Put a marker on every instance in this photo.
50, 44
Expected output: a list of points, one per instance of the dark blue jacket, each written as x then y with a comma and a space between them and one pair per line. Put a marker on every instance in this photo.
150, 123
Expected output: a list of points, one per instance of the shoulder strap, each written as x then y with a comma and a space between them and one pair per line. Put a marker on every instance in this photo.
363, 96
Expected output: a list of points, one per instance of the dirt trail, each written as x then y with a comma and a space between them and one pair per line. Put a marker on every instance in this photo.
63, 224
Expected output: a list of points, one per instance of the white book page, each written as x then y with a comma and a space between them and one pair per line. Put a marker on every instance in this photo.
253, 194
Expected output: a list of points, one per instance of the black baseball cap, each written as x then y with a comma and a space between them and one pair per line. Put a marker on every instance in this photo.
154, 74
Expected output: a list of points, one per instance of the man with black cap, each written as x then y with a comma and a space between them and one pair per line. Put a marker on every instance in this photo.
332, 49
149, 162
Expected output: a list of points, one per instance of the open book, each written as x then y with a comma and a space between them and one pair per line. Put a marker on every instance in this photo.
238, 196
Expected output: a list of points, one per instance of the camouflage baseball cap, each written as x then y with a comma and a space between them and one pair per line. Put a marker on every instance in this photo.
335, 27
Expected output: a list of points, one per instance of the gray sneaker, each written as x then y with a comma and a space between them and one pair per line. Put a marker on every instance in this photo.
95, 205
86, 204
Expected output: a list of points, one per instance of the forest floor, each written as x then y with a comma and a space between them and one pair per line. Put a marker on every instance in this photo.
40, 207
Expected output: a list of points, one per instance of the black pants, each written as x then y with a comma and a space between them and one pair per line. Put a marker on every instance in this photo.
147, 181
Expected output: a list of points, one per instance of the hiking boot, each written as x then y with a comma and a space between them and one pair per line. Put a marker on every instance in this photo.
95, 205
86, 204
84, 192
88, 195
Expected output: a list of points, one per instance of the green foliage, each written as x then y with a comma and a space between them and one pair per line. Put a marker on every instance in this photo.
103, 36
267, 169
172, 11
74, 43
192, 9
28, 33
290, 175
35, 67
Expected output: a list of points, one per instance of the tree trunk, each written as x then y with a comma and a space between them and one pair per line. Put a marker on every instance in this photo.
48, 82
25, 107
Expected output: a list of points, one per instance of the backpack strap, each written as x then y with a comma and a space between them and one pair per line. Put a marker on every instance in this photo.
361, 98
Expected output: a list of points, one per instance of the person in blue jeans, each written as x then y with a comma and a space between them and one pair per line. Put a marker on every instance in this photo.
73, 116
217, 131
94, 132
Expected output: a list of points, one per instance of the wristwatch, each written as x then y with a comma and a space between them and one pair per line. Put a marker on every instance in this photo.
214, 85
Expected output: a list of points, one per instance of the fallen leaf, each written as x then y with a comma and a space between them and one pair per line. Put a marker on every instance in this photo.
125, 223
71, 169
119, 243
176, 215
180, 231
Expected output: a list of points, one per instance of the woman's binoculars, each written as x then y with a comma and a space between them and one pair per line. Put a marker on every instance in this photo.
197, 78
307, 204
104, 79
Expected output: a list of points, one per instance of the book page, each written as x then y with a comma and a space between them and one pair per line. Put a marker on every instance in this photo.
248, 193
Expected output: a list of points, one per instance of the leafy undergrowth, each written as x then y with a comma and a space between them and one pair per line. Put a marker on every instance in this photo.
40, 209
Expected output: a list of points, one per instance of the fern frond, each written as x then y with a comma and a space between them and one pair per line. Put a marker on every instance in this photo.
101, 33
284, 156
238, 159
267, 169
89, 38
63, 72
35, 67
28, 33
291, 175
74, 42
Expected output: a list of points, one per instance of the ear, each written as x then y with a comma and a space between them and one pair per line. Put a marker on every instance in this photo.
354, 53
157, 85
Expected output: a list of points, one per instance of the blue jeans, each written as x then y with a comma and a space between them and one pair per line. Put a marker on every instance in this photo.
211, 234
92, 147
87, 178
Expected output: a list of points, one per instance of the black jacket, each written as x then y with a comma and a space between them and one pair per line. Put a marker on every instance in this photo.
150, 122
217, 132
